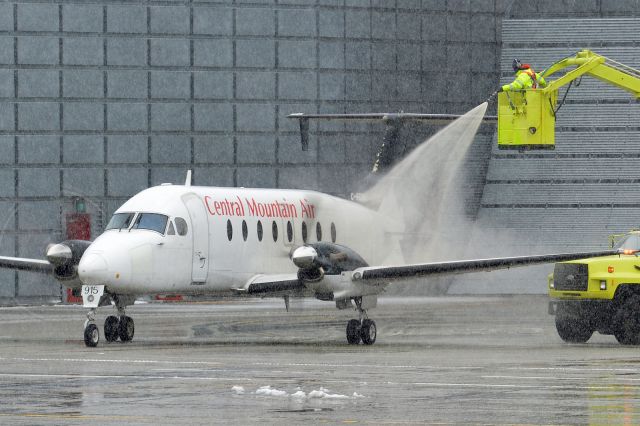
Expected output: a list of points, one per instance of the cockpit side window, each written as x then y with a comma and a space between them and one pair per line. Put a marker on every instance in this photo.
120, 221
171, 230
181, 226
152, 221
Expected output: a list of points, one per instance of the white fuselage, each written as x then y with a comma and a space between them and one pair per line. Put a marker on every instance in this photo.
231, 235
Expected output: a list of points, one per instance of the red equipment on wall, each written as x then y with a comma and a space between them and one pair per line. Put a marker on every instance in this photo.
78, 227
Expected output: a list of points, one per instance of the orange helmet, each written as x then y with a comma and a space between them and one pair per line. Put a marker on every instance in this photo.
517, 65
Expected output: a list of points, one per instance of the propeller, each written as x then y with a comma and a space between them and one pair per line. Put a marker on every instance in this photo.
59, 254
65, 257
314, 260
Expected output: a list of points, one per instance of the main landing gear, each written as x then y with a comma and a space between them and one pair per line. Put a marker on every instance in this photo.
115, 327
363, 329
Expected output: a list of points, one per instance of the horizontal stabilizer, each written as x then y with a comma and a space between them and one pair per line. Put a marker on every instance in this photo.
390, 118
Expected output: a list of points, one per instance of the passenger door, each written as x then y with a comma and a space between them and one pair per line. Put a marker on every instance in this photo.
200, 237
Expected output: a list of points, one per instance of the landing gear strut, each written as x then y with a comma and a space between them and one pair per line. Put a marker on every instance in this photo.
116, 327
362, 329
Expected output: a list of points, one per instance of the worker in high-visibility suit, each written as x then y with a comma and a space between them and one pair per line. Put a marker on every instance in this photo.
526, 78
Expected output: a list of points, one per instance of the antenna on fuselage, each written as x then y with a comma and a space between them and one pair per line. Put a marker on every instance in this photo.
187, 181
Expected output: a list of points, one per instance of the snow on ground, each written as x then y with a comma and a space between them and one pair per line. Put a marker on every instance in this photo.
324, 393
269, 391
299, 394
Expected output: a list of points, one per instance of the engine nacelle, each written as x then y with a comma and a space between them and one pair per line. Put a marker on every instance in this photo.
65, 257
314, 260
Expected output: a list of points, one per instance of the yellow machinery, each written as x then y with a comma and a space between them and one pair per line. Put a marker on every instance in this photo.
527, 118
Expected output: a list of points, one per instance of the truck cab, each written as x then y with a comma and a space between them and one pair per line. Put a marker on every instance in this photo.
599, 294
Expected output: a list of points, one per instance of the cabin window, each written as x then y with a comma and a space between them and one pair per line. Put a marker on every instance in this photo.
259, 231
229, 230
120, 221
171, 230
274, 231
151, 221
304, 232
318, 231
333, 232
181, 226
289, 231
245, 230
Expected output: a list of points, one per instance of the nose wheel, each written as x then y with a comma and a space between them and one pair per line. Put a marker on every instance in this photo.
91, 335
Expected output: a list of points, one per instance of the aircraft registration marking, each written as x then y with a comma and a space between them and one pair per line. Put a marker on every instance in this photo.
91, 295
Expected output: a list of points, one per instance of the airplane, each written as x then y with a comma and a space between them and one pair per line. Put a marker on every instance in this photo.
203, 240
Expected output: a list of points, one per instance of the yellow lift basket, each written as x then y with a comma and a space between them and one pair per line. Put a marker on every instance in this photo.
527, 118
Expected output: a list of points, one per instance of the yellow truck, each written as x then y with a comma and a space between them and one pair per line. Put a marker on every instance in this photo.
599, 294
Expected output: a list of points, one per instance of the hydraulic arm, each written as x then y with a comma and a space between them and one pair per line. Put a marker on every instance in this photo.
526, 119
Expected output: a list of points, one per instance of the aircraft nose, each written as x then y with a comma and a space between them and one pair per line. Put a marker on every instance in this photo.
93, 269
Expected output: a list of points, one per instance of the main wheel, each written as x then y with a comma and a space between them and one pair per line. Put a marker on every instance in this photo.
626, 322
353, 332
111, 328
126, 329
368, 332
91, 335
572, 327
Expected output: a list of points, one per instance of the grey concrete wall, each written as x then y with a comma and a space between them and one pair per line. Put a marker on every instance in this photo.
104, 99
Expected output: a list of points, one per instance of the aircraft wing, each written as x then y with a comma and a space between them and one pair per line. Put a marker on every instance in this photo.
272, 284
291, 284
390, 273
25, 264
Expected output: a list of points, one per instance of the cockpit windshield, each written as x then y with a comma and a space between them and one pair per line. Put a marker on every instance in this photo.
629, 242
120, 221
152, 221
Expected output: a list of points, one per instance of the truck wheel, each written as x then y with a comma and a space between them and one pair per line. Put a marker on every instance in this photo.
571, 326
626, 322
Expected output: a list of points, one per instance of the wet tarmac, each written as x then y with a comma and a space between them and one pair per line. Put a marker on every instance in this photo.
450, 360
